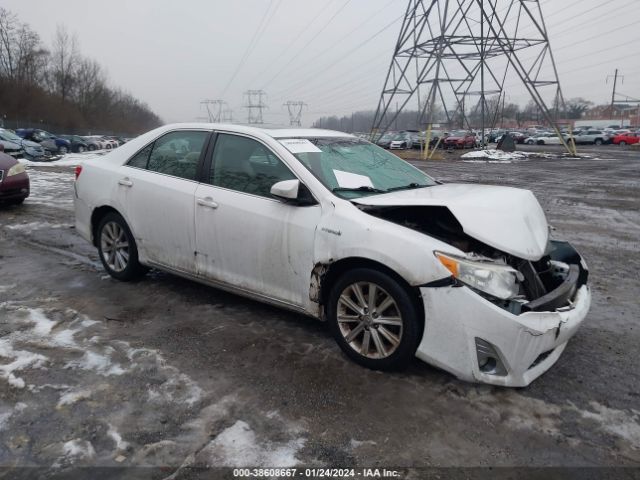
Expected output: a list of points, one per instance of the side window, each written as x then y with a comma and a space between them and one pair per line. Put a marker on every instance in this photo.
177, 154
245, 165
140, 159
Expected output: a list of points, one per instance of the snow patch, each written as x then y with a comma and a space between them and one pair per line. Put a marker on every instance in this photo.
32, 226
72, 397
495, 155
623, 424
75, 450
5, 416
97, 362
68, 160
21, 361
121, 445
238, 446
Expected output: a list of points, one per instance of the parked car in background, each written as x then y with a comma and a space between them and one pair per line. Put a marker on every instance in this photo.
78, 144
626, 139
473, 284
97, 140
14, 180
93, 143
405, 140
460, 139
596, 137
110, 143
548, 139
49, 142
12, 147
386, 139
32, 150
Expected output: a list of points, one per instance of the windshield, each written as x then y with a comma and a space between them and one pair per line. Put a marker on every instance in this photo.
353, 168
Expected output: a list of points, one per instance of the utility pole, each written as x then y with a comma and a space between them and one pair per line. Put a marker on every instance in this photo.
613, 95
255, 105
214, 109
468, 48
295, 107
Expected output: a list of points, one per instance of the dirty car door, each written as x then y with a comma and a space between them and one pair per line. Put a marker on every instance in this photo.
157, 188
244, 236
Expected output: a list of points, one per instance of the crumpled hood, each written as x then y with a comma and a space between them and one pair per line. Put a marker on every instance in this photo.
508, 219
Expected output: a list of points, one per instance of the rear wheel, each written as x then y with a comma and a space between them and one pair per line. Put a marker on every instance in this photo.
117, 248
81, 149
598, 141
373, 319
623, 143
62, 150
92, 148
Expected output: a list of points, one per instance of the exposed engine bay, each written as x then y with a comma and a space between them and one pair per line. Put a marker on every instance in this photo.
546, 284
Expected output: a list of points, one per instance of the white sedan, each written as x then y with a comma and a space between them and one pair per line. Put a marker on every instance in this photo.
464, 277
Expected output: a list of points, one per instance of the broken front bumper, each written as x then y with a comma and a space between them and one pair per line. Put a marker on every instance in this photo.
462, 330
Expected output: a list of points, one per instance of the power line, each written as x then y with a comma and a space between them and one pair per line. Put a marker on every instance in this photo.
266, 18
303, 49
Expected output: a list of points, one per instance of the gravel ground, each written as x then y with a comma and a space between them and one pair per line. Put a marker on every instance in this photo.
168, 373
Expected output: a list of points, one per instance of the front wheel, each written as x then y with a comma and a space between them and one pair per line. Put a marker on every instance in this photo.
117, 248
81, 149
623, 143
374, 320
598, 141
62, 150
92, 148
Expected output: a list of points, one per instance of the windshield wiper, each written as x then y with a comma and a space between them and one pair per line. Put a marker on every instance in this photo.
363, 188
411, 186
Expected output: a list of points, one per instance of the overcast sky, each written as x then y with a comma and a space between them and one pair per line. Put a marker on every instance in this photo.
331, 54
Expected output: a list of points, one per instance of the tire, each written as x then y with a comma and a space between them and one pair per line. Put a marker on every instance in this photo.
119, 262
63, 150
623, 143
81, 149
530, 142
92, 148
540, 142
18, 201
598, 141
388, 346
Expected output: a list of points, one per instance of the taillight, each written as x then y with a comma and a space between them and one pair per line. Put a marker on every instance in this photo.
78, 171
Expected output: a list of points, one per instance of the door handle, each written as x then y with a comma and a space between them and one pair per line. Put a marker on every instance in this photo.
125, 182
207, 202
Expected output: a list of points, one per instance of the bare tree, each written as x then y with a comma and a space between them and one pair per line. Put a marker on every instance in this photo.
64, 62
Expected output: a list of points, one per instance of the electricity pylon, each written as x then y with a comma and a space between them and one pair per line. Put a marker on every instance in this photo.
295, 107
456, 53
214, 109
255, 104
227, 115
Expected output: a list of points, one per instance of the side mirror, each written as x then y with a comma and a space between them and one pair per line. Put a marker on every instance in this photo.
294, 192
286, 190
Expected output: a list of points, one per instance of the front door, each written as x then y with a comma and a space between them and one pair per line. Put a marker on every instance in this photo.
244, 236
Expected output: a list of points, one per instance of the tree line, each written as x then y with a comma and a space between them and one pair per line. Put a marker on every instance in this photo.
498, 113
57, 85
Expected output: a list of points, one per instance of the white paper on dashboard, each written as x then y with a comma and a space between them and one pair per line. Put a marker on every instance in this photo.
300, 145
352, 180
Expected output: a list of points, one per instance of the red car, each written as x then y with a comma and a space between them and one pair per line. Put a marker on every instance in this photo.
627, 139
460, 139
14, 181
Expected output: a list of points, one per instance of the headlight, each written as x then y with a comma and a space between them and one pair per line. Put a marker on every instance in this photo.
16, 169
500, 281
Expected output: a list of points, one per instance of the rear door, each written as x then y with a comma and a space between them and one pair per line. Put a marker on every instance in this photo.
157, 188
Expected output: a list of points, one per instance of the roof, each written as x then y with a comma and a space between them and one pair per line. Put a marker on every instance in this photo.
272, 132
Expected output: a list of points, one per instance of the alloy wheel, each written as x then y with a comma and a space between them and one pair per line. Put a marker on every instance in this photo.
115, 246
369, 320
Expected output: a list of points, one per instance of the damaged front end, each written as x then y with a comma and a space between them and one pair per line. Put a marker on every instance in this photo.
499, 318
541, 285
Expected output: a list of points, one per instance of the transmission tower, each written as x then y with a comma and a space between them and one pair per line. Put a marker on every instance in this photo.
214, 109
295, 107
227, 115
255, 104
455, 54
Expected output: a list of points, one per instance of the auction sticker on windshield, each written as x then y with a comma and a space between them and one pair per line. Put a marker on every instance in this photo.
352, 180
300, 145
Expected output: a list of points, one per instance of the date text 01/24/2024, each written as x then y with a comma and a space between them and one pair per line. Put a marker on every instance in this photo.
315, 473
